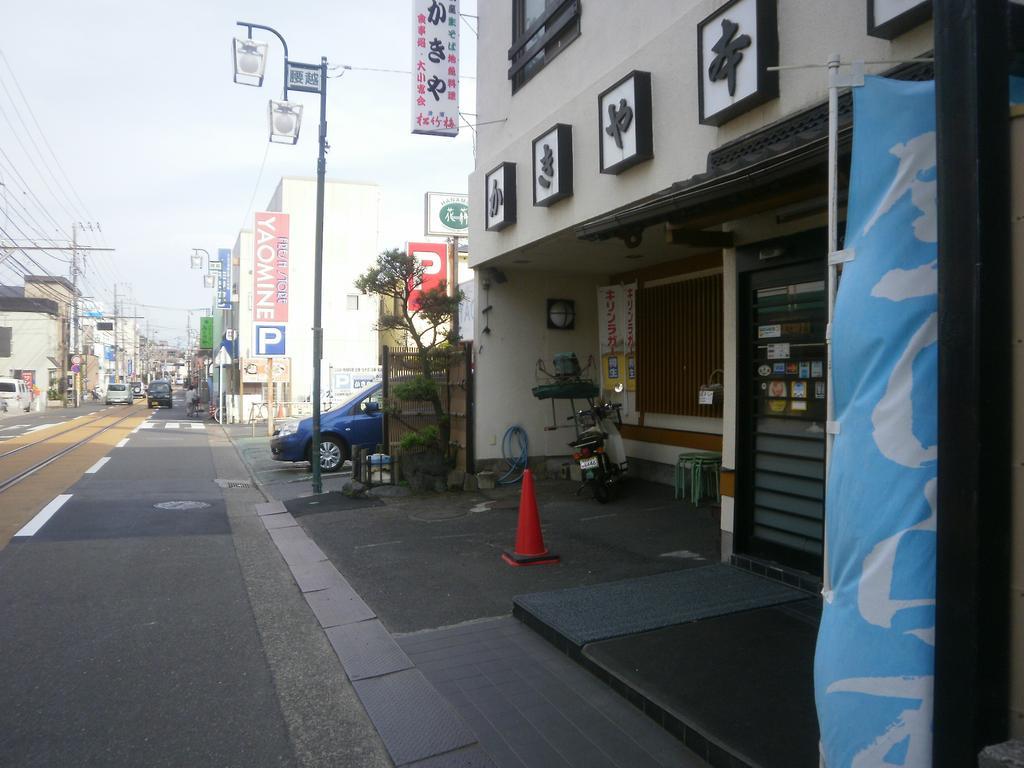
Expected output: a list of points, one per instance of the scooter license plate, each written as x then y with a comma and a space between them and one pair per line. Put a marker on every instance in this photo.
590, 463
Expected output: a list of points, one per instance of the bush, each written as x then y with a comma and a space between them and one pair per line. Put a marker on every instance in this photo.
428, 437
417, 388
52, 394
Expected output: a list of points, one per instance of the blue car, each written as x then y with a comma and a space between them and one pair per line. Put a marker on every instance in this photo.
357, 423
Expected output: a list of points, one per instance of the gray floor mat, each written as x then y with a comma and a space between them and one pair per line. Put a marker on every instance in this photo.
586, 614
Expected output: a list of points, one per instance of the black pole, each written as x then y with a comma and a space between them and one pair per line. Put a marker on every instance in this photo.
318, 266
975, 399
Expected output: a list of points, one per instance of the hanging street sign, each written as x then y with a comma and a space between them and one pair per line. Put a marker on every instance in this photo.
447, 215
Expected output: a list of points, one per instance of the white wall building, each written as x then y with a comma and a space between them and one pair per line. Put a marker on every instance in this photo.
351, 220
705, 182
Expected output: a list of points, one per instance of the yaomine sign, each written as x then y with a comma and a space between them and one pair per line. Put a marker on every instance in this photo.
270, 268
447, 215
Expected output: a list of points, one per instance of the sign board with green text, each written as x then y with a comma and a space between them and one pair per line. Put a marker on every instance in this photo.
447, 215
206, 333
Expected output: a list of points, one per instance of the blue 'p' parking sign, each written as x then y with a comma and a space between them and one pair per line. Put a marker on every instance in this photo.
270, 340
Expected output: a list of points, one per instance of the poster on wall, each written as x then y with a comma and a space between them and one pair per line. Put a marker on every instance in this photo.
616, 306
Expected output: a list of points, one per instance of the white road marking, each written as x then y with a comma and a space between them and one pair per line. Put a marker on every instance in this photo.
381, 544
97, 466
14, 426
42, 426
171, 425
146, 425
32, 527
197, 425
597, 517
122, 444
682, 554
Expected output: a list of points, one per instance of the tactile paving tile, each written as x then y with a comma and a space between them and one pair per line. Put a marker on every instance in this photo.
413, 719
338, 605
367, 650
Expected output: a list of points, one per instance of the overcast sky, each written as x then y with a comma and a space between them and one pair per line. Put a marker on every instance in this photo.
153, 140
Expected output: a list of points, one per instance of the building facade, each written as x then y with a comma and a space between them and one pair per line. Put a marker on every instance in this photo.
675, 159
713, 205
351, 240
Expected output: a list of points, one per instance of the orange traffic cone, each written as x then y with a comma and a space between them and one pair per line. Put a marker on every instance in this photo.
280, 411
530, 549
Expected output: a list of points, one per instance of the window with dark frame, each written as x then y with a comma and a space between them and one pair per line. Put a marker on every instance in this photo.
541, 29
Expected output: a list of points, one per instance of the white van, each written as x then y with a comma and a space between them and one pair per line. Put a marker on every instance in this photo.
15, 395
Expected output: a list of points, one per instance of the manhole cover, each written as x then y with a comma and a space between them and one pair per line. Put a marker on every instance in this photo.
233, 483
239, 485
181, 505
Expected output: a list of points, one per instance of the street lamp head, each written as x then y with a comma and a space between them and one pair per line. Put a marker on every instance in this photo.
197, 261
250, 61
208, 281
285, 119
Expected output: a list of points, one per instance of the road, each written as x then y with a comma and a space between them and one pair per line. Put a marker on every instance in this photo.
144, 617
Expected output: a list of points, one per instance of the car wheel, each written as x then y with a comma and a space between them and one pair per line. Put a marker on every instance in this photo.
332, 454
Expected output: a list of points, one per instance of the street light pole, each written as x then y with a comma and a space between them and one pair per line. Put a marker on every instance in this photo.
318, 265
303, 83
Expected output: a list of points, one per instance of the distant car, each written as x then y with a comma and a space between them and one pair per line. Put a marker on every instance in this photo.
158, 393
357, 423
119, 394
136, 389
15, 395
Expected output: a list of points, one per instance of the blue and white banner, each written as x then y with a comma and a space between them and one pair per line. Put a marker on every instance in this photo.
220, 268
874, 665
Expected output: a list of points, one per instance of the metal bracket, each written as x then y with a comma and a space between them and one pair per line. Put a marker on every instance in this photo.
854, 78
832, 427
841, 257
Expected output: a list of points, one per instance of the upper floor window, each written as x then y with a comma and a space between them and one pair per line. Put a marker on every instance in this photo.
540, 30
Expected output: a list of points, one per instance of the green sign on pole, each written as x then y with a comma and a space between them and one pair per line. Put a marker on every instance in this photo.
206, 333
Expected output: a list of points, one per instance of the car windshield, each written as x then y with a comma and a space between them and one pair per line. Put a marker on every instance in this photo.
117, 387
159, 388
7, 386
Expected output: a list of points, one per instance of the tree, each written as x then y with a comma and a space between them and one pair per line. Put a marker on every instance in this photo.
426, 319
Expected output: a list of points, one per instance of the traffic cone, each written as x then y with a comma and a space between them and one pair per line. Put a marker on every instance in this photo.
530, 549
280, 411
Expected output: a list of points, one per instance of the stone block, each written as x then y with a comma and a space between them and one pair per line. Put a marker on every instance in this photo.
485, 480
456, 479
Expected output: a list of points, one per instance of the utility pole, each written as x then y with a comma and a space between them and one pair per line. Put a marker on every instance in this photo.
75, 345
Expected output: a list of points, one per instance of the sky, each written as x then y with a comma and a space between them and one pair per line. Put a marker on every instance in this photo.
124, 114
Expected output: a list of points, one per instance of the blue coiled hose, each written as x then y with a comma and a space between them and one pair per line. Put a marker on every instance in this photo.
514, 436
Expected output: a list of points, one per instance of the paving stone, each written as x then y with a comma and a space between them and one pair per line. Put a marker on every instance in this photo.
284, 520
338, 605
312, 577
367, 650
296, 547
270, 508
413, 719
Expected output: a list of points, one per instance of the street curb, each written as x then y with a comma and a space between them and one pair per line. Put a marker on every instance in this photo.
413, 719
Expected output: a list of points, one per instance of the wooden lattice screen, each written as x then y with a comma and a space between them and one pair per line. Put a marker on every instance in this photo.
679, 345
454, 381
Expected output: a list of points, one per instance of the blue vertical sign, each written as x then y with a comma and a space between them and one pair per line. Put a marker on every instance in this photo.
874, 665
220, 268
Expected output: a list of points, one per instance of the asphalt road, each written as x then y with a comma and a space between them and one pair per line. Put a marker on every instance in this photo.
150, 622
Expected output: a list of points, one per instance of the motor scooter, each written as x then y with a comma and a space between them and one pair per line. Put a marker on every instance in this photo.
599, 449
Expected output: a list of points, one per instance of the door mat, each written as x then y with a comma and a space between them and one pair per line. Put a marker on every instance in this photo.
586, 614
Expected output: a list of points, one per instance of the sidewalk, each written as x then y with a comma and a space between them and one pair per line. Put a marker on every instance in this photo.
416, 602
